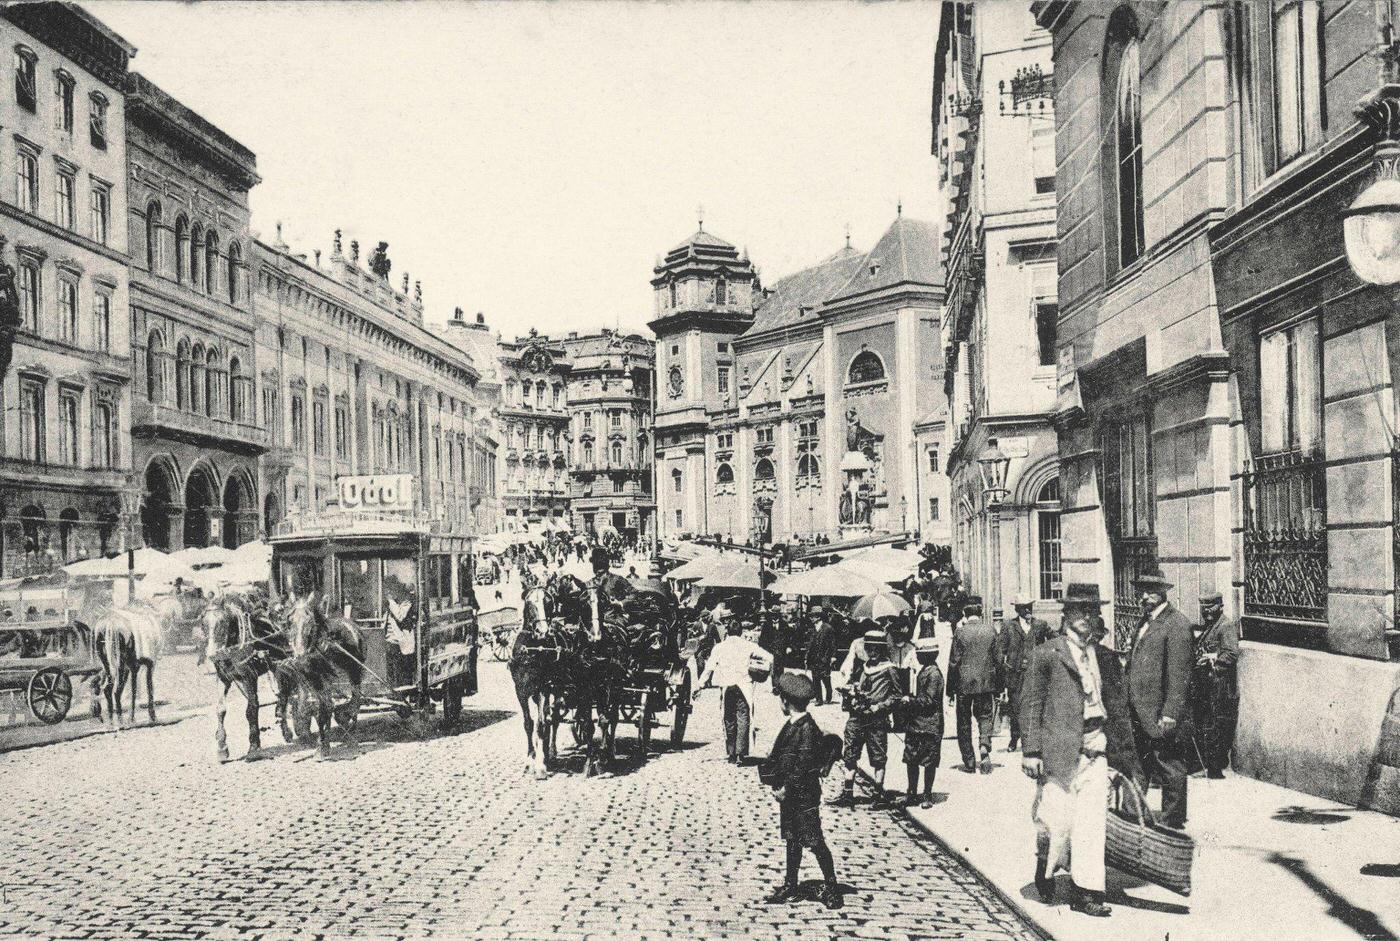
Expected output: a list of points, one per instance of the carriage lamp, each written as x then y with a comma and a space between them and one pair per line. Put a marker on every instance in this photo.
994, 465
1371, 225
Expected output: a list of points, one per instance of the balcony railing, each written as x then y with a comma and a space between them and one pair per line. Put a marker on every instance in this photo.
169, 419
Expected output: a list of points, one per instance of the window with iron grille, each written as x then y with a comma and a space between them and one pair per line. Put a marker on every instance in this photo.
1285, 518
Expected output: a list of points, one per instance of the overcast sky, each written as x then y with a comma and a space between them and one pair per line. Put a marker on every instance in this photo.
532, 160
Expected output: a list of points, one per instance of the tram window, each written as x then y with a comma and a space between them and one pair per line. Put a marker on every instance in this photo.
359, 588
297, 577
398, 579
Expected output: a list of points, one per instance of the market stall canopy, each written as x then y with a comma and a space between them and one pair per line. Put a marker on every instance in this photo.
732, 573
695, 568
203, 557
115, 567
829, 580
883, 563
885, 604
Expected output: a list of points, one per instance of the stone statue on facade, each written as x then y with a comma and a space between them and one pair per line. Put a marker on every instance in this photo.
379, 263
10, 316
335, 245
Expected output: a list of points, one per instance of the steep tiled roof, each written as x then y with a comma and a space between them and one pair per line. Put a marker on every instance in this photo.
906, 253
809, 288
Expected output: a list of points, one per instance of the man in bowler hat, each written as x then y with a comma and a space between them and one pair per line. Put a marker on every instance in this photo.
1159, 683
1215, 694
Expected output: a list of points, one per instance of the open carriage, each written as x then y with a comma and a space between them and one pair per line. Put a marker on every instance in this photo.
43, 650
404, 583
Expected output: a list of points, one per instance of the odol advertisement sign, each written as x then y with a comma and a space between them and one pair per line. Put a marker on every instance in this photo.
376, 492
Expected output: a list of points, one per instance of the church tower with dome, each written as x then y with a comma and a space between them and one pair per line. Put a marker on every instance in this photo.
705, 291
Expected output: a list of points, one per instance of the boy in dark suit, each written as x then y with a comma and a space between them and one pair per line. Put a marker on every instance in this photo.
794, 769
923, 737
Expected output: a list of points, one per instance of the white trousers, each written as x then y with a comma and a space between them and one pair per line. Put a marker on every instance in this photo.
1074, 820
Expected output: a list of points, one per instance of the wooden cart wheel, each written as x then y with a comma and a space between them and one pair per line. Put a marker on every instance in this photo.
50, 695
681, 711
500, 648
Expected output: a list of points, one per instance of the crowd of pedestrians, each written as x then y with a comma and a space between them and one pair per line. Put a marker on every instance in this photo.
1079, 711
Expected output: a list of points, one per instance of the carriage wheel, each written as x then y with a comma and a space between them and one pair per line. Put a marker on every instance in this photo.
681, 712
50, 695
500, 648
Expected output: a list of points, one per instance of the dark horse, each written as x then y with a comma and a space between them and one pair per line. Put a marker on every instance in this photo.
242, 645
322, 649
558, 671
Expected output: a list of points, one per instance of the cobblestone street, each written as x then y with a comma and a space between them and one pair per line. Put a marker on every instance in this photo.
143, 834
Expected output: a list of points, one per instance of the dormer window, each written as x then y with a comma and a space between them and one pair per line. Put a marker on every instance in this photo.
874, 267
26, 63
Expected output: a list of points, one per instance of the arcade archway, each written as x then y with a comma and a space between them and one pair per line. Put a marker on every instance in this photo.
240, 511
161, 497
202, 505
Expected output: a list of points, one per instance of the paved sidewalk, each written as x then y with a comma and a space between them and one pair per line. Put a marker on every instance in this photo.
1271, 863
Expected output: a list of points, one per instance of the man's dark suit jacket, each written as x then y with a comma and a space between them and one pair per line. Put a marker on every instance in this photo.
1052, 711
1159, 671
972, 666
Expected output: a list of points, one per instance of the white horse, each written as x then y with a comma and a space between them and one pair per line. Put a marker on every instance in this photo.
127, 639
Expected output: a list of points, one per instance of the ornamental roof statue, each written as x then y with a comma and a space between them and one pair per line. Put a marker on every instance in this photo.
379, 262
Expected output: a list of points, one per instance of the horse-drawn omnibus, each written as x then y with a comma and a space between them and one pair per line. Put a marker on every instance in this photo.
404, 581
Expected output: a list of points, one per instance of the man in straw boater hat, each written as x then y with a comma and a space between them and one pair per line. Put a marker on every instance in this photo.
1159, 683
1075, 722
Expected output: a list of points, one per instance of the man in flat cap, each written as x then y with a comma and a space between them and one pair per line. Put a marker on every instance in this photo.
1017, 638
972, 682
1215, 696
1159, 682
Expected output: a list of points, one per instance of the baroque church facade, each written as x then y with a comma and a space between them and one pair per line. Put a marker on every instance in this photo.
786, 413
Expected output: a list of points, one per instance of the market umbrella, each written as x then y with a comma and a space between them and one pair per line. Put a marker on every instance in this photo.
651, 586
695, 569
832, 580
115, 567
883, 563
732, 573
883, 604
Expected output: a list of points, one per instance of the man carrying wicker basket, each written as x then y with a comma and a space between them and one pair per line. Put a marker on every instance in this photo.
1074, 724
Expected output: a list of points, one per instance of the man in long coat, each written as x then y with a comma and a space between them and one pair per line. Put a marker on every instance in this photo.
972, 681
1018, 637
1076, 725
1159, 682
1215, 694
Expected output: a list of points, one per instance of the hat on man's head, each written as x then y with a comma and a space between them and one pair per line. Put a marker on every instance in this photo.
972, 601
796, 687
599, 557
922, 644
1085, 593
875, 637
1212, 597
1153, 580
1023, 600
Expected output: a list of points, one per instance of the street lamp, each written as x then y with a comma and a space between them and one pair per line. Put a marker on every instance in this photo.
1371, 225
994, 464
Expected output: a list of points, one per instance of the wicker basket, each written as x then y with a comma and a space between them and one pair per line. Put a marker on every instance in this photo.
1137, 845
